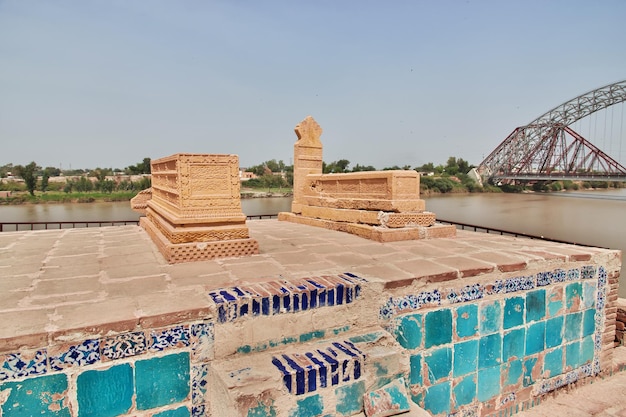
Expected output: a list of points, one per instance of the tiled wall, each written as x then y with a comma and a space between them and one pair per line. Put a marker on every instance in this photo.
160, 372
473, 350
483, 346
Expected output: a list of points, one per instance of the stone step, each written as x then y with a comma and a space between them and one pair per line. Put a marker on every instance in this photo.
330, 376
282, 296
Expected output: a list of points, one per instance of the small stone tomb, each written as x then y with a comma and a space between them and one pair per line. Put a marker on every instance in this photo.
194, 212
379, 205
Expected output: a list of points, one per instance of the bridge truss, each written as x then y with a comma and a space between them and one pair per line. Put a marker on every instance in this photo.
548, 149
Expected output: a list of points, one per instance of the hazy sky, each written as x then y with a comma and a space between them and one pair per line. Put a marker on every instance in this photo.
106, 83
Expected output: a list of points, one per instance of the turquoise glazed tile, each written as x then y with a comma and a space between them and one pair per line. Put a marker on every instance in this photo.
490, 317
39, 396
513, 344
488, 383
416, 370
408, 331
535, 305
529, 366
467, 320
589, 294
586, 350
179, 412
465, 357
390, 399
162, 381
513, 312
308, 407
350, 398
439, 364
464, 391
259, 410
573, 296
535, 338
555, 301
554, 332
418, 398
589, 322
106, 393
513, 372
438, 325
553, 362
572, 355
437, 398
573, 326
490, 351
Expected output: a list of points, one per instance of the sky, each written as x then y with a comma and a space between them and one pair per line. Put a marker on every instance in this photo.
106, 83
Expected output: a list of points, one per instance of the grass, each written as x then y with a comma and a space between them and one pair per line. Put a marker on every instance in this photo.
61, 197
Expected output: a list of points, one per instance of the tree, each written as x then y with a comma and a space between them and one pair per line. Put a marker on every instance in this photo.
44, 180
359, 168
428, 167
335, 166
107, 186
29, 175
52, 171
142, 167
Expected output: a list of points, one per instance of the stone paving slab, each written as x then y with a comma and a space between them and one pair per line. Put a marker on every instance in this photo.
54, 283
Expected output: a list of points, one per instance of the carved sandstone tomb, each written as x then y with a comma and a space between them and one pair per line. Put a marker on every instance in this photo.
379, 205
194, 212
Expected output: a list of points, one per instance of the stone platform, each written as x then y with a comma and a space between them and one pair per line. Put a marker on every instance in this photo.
101, 307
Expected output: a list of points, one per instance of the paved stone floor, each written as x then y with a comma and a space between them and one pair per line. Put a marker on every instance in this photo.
602, 398
58, 282
106, 279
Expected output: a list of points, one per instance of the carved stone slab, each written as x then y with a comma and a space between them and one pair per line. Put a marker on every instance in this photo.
377, 205
195, 210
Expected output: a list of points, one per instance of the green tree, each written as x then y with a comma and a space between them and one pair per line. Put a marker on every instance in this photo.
52, 171
83, 185
428, 167
335, 166
107, 186
359, 168
29, 175
142, 167
5, 169
44, 180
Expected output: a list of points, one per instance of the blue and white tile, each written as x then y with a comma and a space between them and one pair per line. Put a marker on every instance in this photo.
123, 345
21, 364
169, 338
199, 383
202, 339
85, 353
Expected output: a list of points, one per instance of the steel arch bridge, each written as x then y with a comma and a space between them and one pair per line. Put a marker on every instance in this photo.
548, 149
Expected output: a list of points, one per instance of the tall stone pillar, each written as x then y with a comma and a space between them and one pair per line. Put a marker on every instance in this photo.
307, 152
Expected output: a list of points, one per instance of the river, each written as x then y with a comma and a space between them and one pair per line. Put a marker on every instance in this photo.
596, 218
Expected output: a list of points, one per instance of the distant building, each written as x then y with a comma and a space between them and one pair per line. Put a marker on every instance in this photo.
245, 175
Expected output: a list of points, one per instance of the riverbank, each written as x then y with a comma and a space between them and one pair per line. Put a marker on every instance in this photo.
23, 198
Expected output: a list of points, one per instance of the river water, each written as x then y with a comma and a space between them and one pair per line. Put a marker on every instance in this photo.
596, 218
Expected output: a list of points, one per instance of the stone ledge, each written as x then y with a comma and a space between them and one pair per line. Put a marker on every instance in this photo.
375, 233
